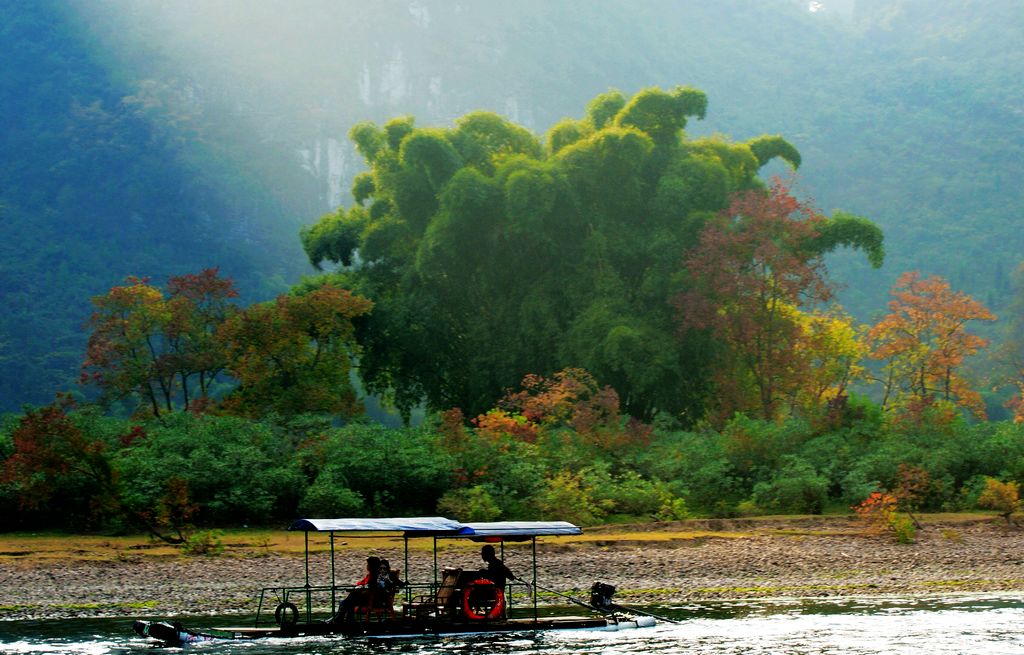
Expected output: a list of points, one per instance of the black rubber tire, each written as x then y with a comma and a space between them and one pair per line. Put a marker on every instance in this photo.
286, 614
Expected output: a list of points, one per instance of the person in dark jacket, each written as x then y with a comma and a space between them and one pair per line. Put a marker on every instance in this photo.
496, 570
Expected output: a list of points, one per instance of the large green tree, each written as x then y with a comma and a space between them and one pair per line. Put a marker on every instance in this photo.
490, 253
292, 355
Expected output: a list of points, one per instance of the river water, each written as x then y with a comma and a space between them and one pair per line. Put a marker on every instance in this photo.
990, 623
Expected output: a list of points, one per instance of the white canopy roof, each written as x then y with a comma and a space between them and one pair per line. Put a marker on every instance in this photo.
426, 525
520, 529
440, 526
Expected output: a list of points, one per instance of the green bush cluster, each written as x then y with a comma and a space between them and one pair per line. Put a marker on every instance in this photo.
244, 472
207, 542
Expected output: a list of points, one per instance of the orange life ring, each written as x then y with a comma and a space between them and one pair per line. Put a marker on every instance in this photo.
471, 610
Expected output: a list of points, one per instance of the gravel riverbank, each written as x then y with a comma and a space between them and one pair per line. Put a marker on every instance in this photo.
741, 559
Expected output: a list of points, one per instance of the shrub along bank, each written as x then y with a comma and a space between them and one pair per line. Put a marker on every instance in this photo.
74, 468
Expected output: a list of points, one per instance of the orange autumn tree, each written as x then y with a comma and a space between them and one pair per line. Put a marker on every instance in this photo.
570, 397
126, 350
923, 343
541, 450
159, 347
570, 400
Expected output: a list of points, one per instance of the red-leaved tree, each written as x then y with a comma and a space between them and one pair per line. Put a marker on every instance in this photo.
56, 466
52, 455
756, 264
198, 304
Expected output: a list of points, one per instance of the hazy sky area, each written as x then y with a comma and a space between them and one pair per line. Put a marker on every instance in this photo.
311, 69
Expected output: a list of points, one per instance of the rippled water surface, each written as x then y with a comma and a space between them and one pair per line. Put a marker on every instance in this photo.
990, 624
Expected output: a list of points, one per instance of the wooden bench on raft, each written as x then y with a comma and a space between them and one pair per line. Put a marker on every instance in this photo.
437, 604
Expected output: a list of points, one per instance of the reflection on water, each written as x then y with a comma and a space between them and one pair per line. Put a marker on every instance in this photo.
989, 624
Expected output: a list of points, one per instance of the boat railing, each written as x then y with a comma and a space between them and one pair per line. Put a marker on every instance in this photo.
280, 596
310, 601
322, 601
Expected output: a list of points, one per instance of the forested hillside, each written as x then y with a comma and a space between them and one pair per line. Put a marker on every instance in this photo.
153, 139
102, 178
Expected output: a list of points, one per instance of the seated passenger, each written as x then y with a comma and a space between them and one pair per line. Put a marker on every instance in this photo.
360, 596
372, 569
388, 579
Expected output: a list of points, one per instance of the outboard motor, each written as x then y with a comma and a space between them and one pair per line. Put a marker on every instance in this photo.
601, 596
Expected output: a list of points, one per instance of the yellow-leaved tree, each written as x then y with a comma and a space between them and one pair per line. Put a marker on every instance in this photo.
832, 348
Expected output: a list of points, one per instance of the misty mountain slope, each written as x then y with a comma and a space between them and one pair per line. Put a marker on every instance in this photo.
302, 78
906, 111
97, 184
933, 139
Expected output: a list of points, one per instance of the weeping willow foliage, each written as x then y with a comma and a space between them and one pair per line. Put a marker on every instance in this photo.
490, 253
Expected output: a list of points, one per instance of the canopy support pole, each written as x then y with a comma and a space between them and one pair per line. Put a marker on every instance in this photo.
405, 569
334, 600
309, 598
534, 589
508, 587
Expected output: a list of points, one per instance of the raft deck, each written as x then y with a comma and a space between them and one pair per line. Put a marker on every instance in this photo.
412, 628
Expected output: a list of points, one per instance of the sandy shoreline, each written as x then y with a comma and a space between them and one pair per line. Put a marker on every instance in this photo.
800, 558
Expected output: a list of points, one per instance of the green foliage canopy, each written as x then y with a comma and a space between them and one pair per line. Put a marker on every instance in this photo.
489, 254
